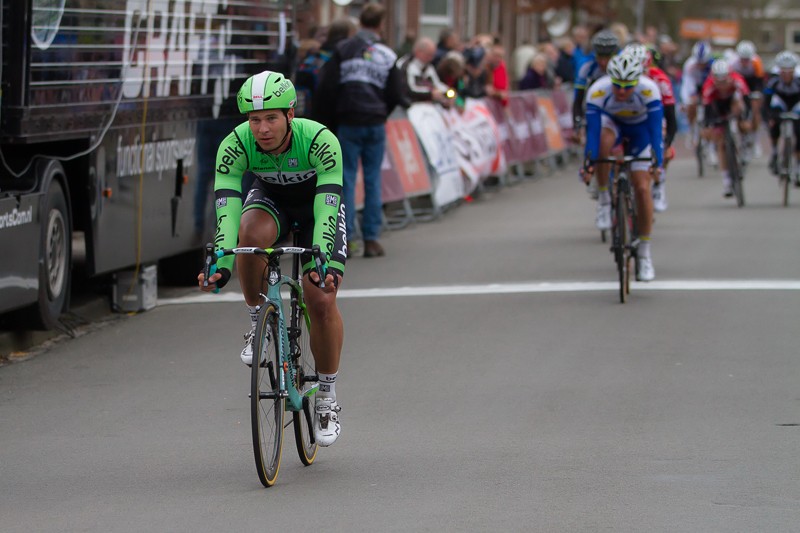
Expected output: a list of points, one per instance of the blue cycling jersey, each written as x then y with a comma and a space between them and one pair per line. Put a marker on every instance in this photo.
639, 116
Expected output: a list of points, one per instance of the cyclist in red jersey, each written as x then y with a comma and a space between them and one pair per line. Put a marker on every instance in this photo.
645, 57
724, 95
747, 62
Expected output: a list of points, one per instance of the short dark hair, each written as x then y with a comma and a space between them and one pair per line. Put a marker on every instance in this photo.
372, 15
445, 34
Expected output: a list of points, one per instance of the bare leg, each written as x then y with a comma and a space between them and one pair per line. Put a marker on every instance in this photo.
257, 228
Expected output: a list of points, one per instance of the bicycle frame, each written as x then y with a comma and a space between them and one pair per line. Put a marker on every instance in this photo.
733, 157
788, 162
275, 282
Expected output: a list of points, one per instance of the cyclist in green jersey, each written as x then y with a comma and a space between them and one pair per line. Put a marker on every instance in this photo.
298, 166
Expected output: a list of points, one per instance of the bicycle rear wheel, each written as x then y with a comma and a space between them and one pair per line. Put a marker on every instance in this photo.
699, 152
266, 401
621, 238
305, 375
734, 169
786, 169
630, 251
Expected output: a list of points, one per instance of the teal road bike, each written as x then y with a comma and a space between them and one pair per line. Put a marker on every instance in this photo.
283, 378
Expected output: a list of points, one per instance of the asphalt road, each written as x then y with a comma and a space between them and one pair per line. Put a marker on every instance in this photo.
509, 391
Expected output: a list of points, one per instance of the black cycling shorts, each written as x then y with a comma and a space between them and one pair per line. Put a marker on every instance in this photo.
287, 211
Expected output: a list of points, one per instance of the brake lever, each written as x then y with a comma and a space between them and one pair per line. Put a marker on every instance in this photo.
210, 267
317, 253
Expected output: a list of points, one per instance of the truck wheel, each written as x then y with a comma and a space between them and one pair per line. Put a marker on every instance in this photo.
56, 259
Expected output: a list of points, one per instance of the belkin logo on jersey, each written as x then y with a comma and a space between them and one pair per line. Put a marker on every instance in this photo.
325, 155
283, 178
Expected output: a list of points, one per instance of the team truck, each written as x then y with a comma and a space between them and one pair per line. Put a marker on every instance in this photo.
111, 112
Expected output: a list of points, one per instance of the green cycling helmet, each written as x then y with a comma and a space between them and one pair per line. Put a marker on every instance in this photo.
266, 90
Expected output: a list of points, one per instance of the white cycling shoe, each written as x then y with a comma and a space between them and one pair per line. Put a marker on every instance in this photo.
326, 421
603, 216
659, 197
645, 270
247, 351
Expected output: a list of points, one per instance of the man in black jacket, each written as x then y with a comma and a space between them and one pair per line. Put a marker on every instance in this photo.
358, 89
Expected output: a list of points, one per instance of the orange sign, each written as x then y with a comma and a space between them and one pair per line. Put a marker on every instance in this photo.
725, 32
406, 155
547, 112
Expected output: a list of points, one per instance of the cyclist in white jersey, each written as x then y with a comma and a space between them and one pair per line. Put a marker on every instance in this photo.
626, 106
695, 71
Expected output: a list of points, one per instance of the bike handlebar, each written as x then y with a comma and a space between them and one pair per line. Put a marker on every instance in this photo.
212, 256
789, 115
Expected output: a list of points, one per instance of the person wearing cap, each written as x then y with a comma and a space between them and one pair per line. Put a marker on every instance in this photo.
298, 169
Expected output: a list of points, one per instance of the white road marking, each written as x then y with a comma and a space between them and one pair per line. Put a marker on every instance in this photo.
511, 288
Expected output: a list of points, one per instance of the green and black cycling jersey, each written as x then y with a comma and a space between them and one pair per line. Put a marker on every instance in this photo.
302, 184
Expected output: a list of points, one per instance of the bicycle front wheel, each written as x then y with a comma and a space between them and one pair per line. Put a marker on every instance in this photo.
305, 376
699, 152
786, 169
266, 401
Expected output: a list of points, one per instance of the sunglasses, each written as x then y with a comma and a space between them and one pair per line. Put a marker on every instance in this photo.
624, 84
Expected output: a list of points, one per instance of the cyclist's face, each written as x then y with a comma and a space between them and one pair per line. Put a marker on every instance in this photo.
269, 127
786, 75
602, 61
723, 82
622, 89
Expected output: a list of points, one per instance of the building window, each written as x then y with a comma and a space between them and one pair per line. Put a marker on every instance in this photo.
793, 37
436, 15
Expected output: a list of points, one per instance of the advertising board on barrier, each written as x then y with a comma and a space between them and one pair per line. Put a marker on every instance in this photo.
407, 158
437, 141
525, 110
480, 121
391, 187
563, 107
476, 141
547, 112
519, 131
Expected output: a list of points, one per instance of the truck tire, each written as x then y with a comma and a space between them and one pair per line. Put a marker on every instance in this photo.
55, 272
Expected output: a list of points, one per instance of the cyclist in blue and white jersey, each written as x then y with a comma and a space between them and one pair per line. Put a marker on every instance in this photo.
604, 46
625, 107
695, 71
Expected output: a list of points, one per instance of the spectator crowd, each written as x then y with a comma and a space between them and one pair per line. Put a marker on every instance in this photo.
339, 69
